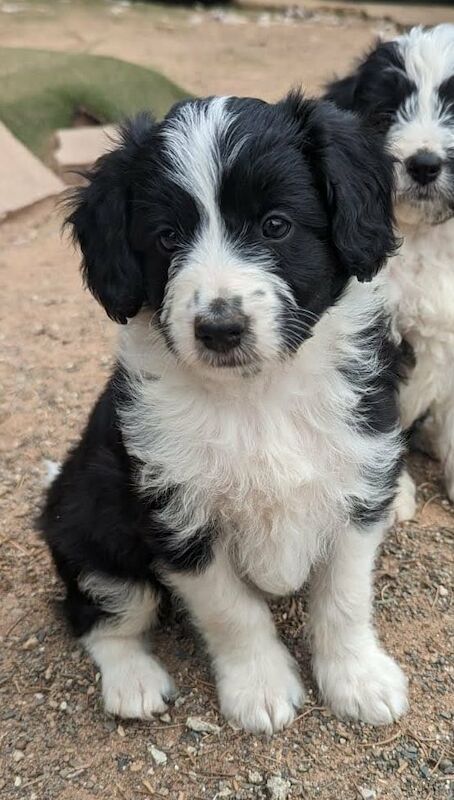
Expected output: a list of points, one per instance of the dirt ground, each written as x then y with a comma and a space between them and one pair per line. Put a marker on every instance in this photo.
55, 354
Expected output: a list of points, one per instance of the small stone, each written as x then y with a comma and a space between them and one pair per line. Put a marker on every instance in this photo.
442, 591
17, 781
254, 777
18, 755
158, 756
121, 731
367, 794
31, 643
136, 766
200, 726
165, 717
63, 705
424, 770
277, 788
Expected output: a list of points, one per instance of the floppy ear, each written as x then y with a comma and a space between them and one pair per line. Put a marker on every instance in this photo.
354, 174
342, 91
99, 220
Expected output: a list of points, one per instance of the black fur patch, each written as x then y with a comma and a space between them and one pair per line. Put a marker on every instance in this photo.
377, 88
378, 413
94, 519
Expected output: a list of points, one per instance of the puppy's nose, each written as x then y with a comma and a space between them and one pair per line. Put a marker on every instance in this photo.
424, 167
220, 334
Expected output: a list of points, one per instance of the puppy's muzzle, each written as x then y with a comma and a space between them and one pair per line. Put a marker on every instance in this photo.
222, 328
424, 167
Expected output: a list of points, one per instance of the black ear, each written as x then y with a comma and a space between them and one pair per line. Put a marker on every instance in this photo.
99, 219
354, 174
342, 91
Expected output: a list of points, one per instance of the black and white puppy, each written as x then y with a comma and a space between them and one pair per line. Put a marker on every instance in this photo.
250, 434
405, 88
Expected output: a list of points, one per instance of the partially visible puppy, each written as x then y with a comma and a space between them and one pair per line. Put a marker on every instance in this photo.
405, 88
249, 437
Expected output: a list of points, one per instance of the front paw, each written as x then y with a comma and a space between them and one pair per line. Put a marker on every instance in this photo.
261, 692
136, 687
367, 686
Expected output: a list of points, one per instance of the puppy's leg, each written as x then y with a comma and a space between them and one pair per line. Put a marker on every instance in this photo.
355, 676
444, 416
133, 682
417, 394
405, 502
257, 679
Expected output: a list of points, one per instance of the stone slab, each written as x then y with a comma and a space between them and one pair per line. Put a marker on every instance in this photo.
24, 179
80, 147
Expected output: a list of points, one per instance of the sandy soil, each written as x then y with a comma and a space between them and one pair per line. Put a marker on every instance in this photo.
55, 354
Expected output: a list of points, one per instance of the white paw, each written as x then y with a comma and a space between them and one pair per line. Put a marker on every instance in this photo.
136, 687
369, 686
405, 502
260, 693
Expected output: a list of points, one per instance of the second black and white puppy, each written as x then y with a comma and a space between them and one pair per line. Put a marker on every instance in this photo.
405, 89
249, 438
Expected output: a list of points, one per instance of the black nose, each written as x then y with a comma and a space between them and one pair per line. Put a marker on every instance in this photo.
424, 167
222, 334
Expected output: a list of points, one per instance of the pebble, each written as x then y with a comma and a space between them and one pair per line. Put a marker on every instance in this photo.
136, 766
31, 643
200, 726
442, 591
165, 717
254, 777
158, 756
277, 788
63, 705
424, 770
367, 794
18, 755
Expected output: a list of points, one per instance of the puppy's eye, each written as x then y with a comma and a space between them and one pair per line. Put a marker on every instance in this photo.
168, 240
275, 227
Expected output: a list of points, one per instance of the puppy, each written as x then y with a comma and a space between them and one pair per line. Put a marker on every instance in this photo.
249, 435
405, 88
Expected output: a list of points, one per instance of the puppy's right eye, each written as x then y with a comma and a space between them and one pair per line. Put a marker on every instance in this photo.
168, 240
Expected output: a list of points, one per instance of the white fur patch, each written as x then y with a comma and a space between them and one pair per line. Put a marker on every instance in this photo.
53, 469
420, 288
274, 459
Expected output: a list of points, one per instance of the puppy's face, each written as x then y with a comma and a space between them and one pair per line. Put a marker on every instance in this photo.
236, 223
406, 88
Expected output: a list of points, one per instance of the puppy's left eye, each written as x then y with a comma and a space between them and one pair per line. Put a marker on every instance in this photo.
275, 227
168, 240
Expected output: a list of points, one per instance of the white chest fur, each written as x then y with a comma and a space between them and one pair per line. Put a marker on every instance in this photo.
271, 460
421, 283
421, 292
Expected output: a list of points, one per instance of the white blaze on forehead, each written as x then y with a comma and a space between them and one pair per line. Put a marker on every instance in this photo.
423, 120
428, 55
193, 141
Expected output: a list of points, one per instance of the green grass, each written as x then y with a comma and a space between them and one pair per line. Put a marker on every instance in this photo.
40, 91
